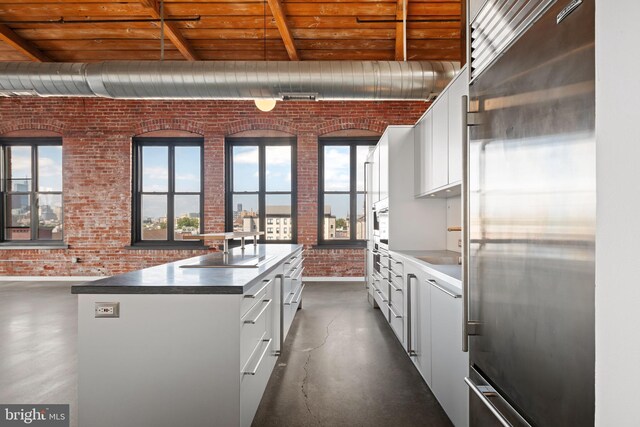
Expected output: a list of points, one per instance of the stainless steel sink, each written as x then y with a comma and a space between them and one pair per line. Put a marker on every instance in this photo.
440, 260
230, 261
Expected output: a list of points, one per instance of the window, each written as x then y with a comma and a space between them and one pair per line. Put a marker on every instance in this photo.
261, 184
341, 200
168, 190
31, 187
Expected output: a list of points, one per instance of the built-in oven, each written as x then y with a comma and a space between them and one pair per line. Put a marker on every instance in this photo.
380, 257
381, 226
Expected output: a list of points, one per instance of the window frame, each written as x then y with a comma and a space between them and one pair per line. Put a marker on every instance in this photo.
261, 143
137, 190
353, 142
33, 143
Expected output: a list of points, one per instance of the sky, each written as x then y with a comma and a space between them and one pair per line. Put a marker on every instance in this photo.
155, 177
49, 166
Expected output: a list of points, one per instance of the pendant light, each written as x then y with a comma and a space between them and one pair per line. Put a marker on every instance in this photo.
265, 104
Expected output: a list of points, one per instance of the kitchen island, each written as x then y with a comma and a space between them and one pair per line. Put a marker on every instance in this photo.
190, 343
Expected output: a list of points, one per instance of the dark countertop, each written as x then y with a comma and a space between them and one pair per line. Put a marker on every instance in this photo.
451, 272
172, 279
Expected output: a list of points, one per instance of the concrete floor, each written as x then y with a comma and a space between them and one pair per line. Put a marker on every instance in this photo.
342, 365
38, 334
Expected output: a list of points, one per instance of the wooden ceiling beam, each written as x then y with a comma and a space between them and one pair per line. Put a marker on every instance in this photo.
281, 22
172, 31
401, 15
8, 36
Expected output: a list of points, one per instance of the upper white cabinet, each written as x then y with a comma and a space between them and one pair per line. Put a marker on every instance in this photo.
375, 175
383, 147
458, 88
438, 142
422, 155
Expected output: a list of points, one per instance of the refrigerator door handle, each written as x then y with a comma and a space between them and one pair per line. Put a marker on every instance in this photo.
465, 224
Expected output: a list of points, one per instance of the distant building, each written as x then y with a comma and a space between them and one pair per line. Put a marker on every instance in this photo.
278, 225
329, 224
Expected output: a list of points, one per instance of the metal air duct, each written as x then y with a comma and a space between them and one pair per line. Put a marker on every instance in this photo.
327, 80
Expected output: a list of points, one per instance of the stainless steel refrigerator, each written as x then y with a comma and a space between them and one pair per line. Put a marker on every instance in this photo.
531, 198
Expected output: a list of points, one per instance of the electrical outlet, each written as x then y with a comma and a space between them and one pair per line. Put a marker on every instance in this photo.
107, 309
459, 243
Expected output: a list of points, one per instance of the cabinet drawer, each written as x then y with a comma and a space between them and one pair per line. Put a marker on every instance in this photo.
256, 294
382, 300
297, 297
396, 266
253, 328
396, 319
254, 380
294, 262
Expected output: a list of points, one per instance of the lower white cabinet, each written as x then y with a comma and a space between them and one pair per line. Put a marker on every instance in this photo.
433, 325
449, 364
183, 359
420, 321
292, 289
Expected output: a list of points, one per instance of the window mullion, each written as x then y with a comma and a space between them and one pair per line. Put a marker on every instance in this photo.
34, 193
352, 191
171, 194
262, 187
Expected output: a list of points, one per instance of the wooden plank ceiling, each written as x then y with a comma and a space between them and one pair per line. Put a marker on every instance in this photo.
231, 30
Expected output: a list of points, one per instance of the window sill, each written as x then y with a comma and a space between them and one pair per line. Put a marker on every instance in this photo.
30, 246
140, 247
329, 246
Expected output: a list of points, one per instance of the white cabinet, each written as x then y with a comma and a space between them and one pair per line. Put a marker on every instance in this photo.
380, 170
292, 289
419, 296
375, 175
438, 143
449, 364
458, 88
184, 359
440, 150
422, 155
383, 146
433, 320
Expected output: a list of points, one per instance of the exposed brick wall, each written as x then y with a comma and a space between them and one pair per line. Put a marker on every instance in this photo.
97, 137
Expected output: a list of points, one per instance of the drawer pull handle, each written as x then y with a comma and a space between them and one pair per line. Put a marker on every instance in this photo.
299, 294
264, 352
396, 315
299, 276
395, 288
410, 349
264, 308
290, 272
382, 295
446, 291
254, 295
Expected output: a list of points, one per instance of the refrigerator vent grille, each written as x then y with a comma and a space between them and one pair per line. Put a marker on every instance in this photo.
498, 25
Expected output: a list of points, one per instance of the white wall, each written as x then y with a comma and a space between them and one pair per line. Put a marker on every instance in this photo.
454, 219
618, 212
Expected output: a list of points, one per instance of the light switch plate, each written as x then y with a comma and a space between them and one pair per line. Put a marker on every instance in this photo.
107, 309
